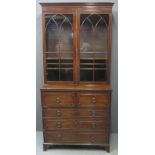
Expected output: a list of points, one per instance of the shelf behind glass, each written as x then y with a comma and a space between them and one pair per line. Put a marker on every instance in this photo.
60, 75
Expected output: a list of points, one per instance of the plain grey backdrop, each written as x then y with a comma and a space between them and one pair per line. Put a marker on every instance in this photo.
114, 67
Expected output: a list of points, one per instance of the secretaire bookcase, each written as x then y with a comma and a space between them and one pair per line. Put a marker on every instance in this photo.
76, 94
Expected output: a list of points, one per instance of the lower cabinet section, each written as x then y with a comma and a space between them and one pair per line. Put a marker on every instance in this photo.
76, 118
76, 137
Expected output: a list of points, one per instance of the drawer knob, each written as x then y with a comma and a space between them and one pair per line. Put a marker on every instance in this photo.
94, 126
58, 113
93, 100
58, 124
92, 113
76, 122
58, 100
93, 140
59, 135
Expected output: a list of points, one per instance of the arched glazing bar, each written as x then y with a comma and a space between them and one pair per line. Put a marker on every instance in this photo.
92, 25
53, 17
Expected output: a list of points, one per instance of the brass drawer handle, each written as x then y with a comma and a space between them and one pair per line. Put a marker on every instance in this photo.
76, 122
93, 100
58, 124
93, 140
93, 125
92, 113
58, 100
59, 136
58, 113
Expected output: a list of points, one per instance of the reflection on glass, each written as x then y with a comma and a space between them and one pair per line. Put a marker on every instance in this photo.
93, 47
59, 47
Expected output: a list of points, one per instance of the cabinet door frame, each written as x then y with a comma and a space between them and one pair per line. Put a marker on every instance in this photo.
57, 10
95, 10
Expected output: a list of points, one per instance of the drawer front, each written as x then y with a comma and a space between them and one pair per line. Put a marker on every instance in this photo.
59, 124
93, 125
58, 99
74, 113
93, 100
85, 124
59, 112
75, 137
93, 113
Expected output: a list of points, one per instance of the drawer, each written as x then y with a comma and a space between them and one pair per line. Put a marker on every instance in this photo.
82, 124
93, 124
59, 112
74, 113
93, 113
76, 137
58, 99
93, 100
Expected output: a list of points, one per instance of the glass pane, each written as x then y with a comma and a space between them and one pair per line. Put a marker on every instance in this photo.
59, 47
93, 47
53, 75
86, 75
100, 75
66, 75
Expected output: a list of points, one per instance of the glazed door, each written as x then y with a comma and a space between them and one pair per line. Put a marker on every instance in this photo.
93, 46
59, 46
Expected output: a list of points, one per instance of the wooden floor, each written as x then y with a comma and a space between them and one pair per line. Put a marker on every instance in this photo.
77, 150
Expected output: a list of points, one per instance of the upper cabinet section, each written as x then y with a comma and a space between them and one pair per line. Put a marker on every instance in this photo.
77, 42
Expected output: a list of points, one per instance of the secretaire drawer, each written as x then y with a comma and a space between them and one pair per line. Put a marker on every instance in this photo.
58, 99
93, 100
